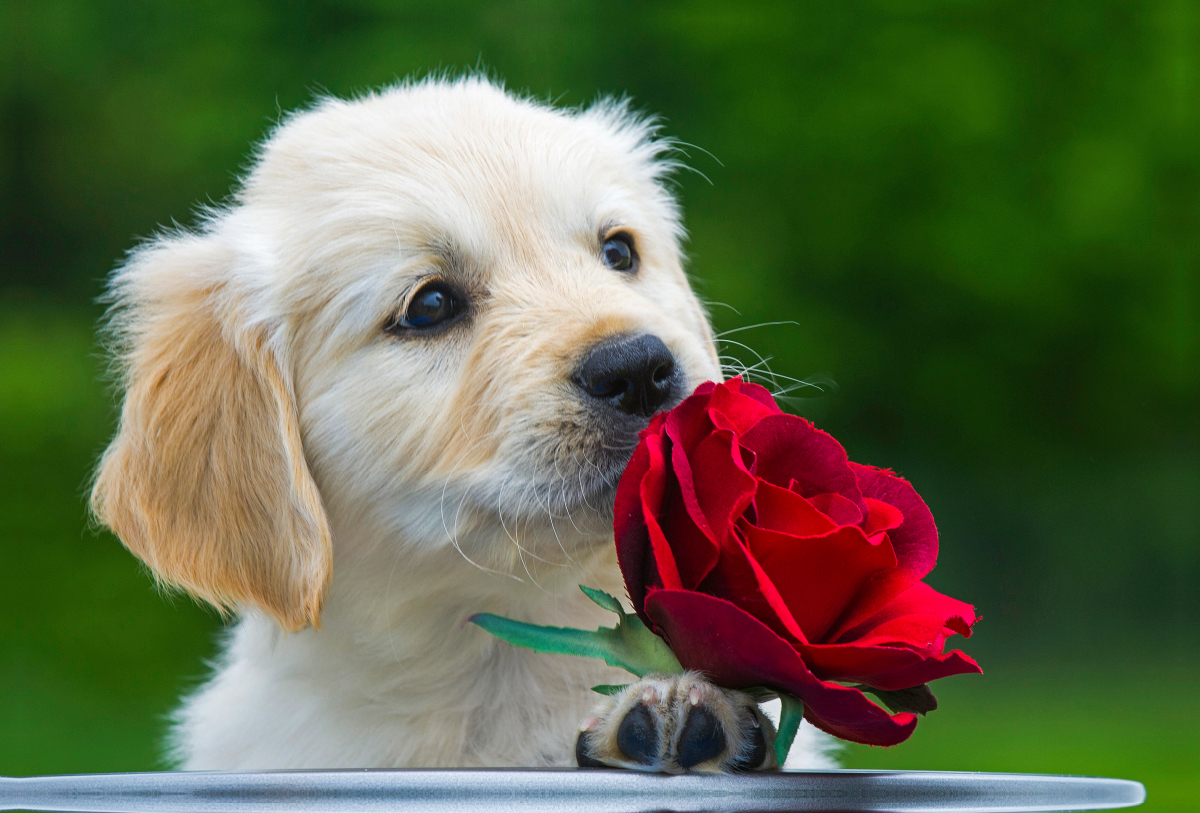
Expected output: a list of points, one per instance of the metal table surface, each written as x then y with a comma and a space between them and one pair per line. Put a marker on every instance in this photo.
562, 791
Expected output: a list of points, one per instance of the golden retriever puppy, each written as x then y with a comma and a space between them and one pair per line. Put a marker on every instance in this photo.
394, 383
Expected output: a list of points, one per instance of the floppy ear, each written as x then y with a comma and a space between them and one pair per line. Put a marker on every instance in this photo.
206, 480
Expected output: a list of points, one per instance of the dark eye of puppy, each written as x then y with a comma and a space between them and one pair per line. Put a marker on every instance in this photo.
618, 254
434, 305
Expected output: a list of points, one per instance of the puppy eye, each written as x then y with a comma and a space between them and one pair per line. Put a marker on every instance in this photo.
618, 254
433, 305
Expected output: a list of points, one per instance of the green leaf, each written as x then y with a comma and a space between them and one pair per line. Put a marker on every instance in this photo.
610, 688
916, 700
603, 599
790, 715
630, 645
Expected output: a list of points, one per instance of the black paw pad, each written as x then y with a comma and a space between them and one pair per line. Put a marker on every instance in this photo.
638, 737
758, 750
701, 738
582, 758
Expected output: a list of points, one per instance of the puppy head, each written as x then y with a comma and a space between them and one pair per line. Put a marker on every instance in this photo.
434, 316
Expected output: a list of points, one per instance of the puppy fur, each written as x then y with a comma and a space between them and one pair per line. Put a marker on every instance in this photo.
351, 494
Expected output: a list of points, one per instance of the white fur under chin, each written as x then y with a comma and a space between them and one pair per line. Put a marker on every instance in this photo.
412, 686
362, 694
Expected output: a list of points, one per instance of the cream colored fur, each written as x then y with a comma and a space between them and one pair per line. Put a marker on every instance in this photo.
354, 496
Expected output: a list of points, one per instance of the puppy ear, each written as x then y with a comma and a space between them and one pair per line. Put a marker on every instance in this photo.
206, 480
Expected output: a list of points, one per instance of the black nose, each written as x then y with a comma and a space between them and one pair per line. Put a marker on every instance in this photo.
635, 375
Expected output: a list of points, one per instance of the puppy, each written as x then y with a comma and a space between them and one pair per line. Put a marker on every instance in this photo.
394, 383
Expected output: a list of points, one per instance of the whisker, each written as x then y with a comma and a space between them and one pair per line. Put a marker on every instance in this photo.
678, 143
562, 491
710, 302
820, 382
521, 551
754, 326
453, 535
579, 479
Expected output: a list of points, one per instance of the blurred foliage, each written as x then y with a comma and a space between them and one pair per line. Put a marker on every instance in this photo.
982, 219
1110, 720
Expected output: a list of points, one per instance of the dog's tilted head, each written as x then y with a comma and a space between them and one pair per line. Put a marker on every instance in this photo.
440, 313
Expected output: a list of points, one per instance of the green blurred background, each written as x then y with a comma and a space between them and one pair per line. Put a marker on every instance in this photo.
982, 217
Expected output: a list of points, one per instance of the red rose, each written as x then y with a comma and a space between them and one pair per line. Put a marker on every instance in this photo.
766, 558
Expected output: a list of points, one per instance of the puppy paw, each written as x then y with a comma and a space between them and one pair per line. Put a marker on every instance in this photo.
677, 723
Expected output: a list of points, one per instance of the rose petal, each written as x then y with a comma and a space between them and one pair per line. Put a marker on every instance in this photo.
839, 509
901, 645
695, 552
756, 391
915, 542
916, 538
779, 509
818, 576
635, 527
723, 489
688, 424
738, 407
887, 668
652, 487
881, 516
741, 580
920, 617
630, 532
737, 650
790, 448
